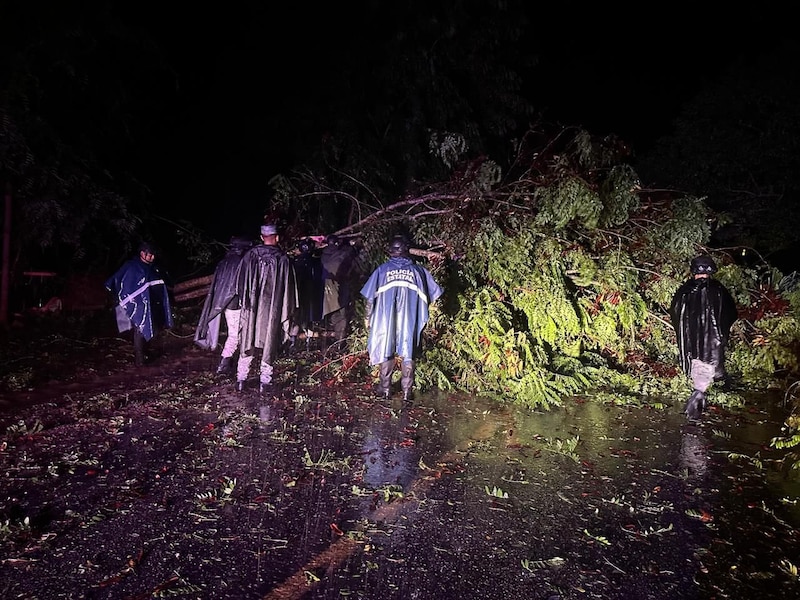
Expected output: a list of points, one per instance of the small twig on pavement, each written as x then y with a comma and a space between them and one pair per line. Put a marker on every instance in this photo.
615, 566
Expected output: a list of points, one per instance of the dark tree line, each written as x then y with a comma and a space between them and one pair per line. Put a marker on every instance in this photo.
118, 121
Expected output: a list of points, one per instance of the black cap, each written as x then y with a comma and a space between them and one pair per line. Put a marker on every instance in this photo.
148, 247
703, 264
306, 245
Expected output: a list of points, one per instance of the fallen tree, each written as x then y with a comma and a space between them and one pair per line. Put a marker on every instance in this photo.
558, 274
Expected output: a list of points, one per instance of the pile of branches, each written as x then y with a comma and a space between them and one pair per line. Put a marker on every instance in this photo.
558, 273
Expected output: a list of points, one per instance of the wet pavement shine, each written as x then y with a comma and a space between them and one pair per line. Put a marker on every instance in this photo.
336, 495
589, 500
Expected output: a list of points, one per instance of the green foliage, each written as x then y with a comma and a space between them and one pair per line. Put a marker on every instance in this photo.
682, 234
198, 249
772, 351
558, 284
740, 281
543, 317
527, 331
619, 195
570, 200
429, 375
790, 441
791, 429
658, 290
790, 292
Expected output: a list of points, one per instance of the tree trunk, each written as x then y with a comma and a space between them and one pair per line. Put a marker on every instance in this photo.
6, 276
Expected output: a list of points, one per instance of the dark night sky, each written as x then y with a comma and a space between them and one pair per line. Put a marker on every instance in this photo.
624, 72
612, 73
642, 67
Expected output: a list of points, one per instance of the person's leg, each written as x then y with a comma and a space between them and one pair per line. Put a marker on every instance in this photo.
338, 324
294, 331
720, 374
231, 342
385, 373
695, 405
407, 379
265, 377
309, 333
139, 346
702, 376
242, 370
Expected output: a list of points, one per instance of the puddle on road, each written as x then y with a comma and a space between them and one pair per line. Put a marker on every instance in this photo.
453, 497
474, 500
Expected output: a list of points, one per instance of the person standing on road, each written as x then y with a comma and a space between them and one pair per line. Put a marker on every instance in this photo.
142, 297
338, 261
398, 296
265, 283
308, 271
222, 302
702, 312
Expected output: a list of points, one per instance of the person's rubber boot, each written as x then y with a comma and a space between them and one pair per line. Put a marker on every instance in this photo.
225, 366
239, 386
695, 405
138, 348
407, 379
385, 385
265, 387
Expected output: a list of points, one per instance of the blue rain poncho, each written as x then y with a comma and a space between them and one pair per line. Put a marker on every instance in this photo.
399, 294
142, 296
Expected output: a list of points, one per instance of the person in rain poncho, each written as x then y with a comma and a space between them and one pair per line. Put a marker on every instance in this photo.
265, 283
310, 287
222, 303
338, 263
142, 297
398, 295
702, 312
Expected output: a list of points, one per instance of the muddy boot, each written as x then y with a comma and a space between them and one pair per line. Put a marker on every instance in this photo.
407, 379
225, 366
239, 387
265, 387
695, 405
385, 385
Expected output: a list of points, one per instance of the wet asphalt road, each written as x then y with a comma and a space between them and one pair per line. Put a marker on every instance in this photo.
186, 489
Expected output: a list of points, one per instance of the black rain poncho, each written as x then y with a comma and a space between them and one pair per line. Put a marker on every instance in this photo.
702, 312
221, 296
309, 273
268, 298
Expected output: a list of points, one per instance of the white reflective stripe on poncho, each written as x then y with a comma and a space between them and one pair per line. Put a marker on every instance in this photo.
140, 291
400, 283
